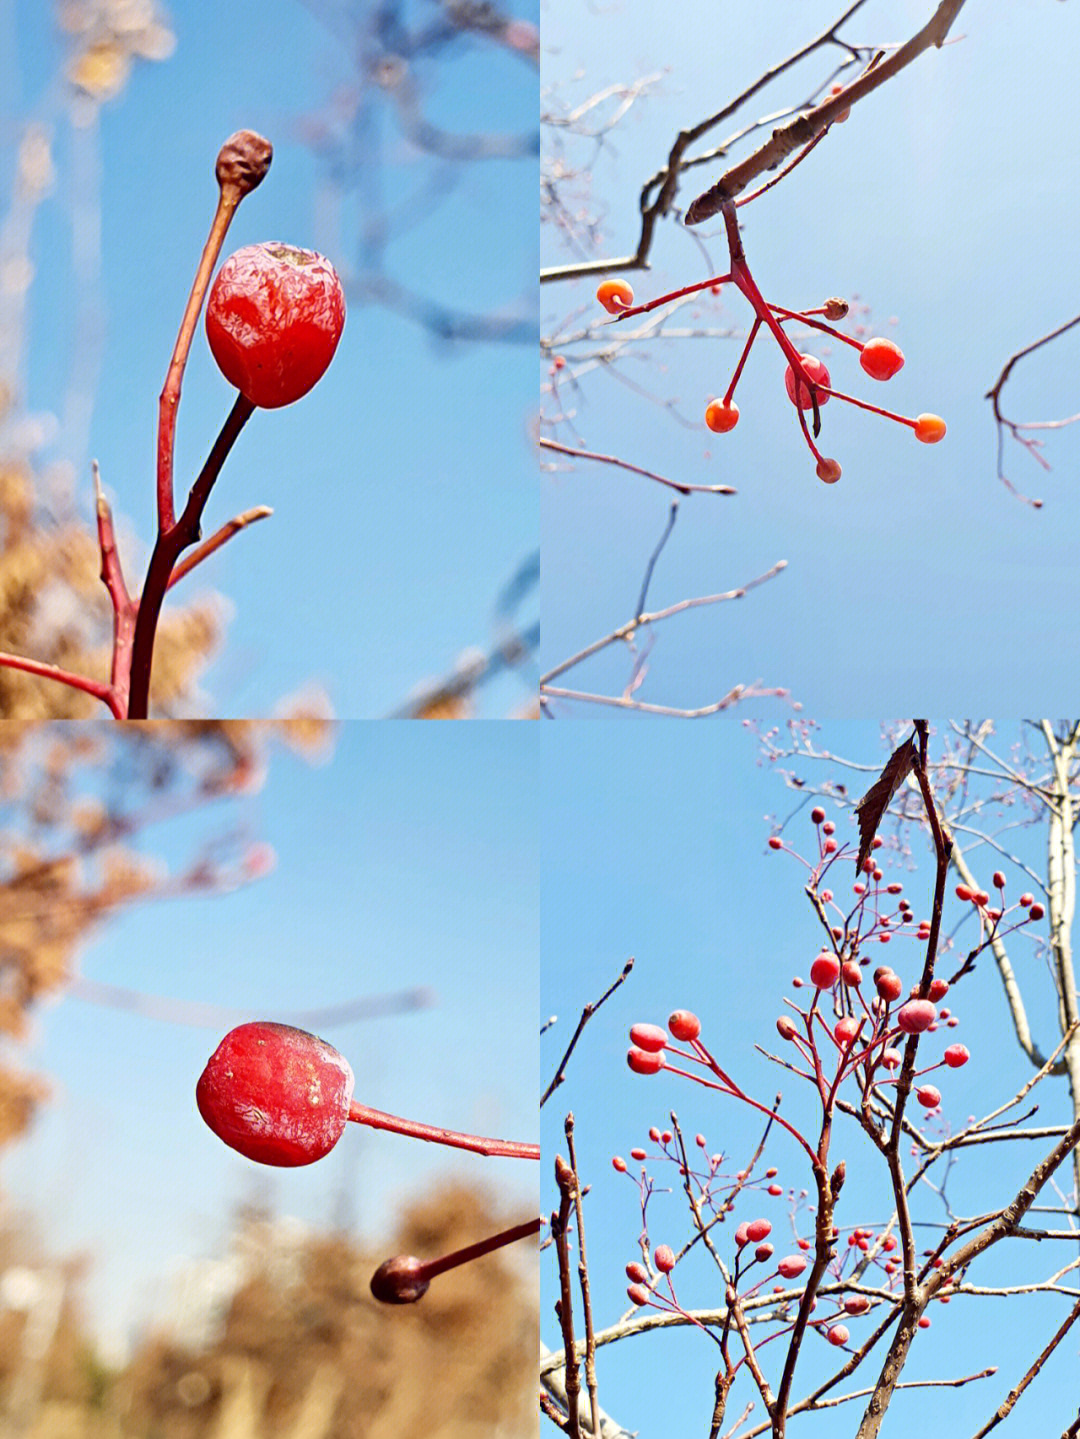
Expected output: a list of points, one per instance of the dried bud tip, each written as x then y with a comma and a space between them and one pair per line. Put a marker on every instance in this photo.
398, 1280
835, 309
243, 161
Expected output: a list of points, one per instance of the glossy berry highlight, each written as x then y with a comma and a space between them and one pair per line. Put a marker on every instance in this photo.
273, 320
721, 417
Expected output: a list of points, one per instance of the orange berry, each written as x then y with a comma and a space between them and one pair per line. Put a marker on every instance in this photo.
881, 359
829, 471
721, 417
929, 429
559, 362
614, 295
817, 372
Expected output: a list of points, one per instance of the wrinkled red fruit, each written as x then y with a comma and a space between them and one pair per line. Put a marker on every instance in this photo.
276, 1094
273, 319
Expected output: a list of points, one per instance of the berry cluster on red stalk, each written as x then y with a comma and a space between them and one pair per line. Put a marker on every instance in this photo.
281, 1096
274, 319
806, 378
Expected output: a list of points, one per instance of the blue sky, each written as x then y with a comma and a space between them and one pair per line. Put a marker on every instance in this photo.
403, 485
663, 856
406, 861
948, 200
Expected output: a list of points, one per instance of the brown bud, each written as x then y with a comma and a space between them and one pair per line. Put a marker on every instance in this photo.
243, 161
835, 309
839, 1174
399, 1280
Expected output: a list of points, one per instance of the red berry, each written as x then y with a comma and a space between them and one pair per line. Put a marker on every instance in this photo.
638, 1154
763, 1253
928, 1096
888, 1243
654, 1134
929, 429
856, 1304
664, 1258
771, 1173
828, 827
889, 985
684, 1025
741, 1236
956, 1055
638, 1294
643, 1061
666, 1137
721, 417
791, 1266
273, 320
838, 1334
915, 1016
891, 1058
924, 1323
1035, 911
881, 359
775, 842
803, 1243
998, 879
276, 1094
828, 471
785, 1027
637, 1272
559, 362
648, 1036
1027, 899
852, 973
619, 1164
817, 814
962, 892
846, 1030
775, 1190
757, 1230
615, 295
939, 988
824, 971
817, 373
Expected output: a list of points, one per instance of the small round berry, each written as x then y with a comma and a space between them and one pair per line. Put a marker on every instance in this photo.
928, 1096
818, 375
856, 1303
1027, 900
791, 1266
664, 1258
939, 988
891, 1058
915, 1016
838, 1334
648, 1036
559, 361
889, 985
741, 1235
817, 815
757, 1230
684, 1025
828, 470
929, 429
852, 972
638, 1154
618, 1163
721, 417
889, 1243
638, 1294
881, 359
956, 1055
637, 1272
924, 1323
998, 879
846, 1030
774, 1190
1035, 911
785, 1027
825, 971
763, 1253
615, 295
775, 842
654, 1134
643, 1061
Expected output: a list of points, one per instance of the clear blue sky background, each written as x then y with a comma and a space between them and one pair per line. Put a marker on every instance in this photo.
949, 199
408, 860
663, 856
403, 486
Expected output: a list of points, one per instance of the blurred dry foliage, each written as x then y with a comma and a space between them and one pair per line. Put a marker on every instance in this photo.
75, 802
305, 1352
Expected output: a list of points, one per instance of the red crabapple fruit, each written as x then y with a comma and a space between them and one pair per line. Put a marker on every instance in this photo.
721, 416
818, 375
915, 1016
838, 1334
928, 1096
276, 1094
648, 1036
881, 359
664, 1258
615, 295
929, 429
684, 1025
956, 1055
825, 971
273, 319
791, 1266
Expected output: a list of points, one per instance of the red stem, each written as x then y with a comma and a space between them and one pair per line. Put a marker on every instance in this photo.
377, 1119
430, 1267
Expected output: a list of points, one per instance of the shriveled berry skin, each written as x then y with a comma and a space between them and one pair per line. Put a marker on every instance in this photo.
273, 320
276, 1094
